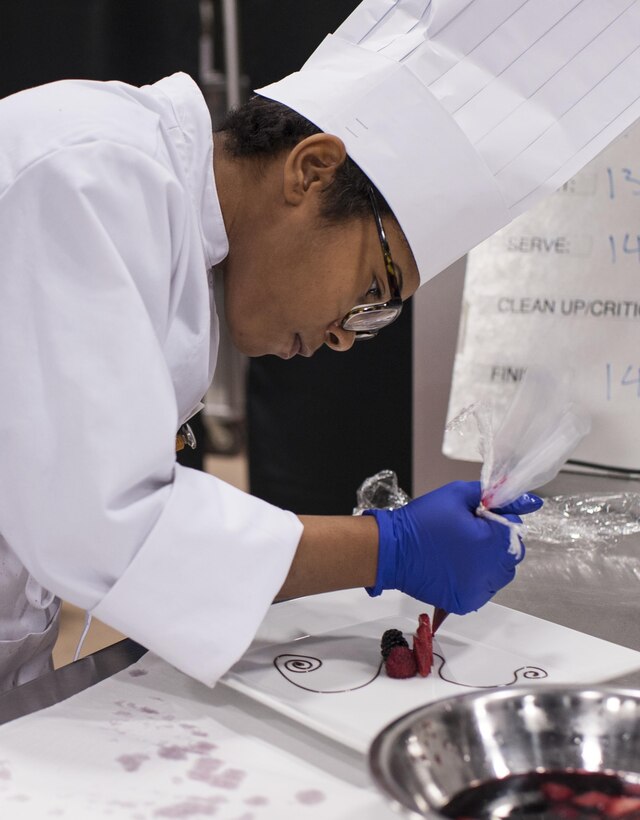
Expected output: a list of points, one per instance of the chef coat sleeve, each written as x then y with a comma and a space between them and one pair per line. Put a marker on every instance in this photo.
93, 240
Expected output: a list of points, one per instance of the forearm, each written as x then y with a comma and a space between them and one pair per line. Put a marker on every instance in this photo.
335, 552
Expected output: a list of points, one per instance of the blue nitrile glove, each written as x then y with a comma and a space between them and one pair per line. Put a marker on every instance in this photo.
437, 549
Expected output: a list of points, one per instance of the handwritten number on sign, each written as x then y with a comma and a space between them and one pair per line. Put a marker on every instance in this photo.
628, 177
629, 182
627, 247
630, 246
630, 378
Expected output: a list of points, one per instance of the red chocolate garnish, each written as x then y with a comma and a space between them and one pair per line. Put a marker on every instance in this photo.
423, 645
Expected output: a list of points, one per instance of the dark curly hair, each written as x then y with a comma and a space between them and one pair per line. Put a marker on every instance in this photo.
262, 128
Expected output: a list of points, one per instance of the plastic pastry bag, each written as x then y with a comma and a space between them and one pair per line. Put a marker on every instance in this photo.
527, 448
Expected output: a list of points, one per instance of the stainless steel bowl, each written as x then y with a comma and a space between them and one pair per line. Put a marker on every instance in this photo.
425, 758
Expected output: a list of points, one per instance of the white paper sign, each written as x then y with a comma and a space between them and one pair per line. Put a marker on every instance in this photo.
560, 286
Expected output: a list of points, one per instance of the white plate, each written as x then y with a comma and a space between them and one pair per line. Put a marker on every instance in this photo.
330, 680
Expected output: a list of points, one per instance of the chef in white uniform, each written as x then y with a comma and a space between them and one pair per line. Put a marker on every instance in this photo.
115, 206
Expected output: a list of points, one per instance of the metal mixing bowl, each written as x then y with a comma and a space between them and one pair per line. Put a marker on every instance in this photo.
425, 758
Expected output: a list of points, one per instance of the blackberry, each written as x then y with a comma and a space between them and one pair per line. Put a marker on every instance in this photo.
391, 638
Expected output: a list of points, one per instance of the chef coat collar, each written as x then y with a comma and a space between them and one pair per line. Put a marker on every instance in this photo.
192, 138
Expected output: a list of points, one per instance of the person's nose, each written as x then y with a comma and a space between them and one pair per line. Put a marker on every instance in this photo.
339, 339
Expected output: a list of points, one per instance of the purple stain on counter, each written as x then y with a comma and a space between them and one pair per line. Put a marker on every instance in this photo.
194, 730
172, 752
131, 763
310, 797
175, 752
145, 710
206, 769
257, 800
191, 807
5, 773
201, 747
228, 779
137, 673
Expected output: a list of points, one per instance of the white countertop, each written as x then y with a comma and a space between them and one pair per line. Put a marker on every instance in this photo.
150, 742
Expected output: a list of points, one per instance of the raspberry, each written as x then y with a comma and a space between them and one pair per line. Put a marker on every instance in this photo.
556, 792
391, 638
400, 663
622, 806
592, 800
423, 646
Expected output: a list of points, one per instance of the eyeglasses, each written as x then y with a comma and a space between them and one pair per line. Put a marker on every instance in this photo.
367, 320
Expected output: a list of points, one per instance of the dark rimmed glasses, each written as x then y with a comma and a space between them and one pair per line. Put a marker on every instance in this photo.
367, 320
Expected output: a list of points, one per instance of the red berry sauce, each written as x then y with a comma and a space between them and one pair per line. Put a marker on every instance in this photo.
562, 795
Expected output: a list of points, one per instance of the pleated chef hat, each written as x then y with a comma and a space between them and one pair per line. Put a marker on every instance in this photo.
464, 113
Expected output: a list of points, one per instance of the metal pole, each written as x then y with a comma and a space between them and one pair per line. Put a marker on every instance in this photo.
231, 52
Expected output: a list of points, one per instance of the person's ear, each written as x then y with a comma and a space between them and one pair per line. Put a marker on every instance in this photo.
311, 165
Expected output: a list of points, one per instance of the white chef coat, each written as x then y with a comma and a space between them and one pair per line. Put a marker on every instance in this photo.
109, 223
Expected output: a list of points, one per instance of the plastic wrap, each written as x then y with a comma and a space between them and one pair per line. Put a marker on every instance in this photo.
380, 492
585, 522
583, 553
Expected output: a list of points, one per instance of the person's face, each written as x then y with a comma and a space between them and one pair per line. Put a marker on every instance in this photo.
290, 279
290, 292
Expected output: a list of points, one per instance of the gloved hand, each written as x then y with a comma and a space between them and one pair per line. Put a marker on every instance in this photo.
437, 549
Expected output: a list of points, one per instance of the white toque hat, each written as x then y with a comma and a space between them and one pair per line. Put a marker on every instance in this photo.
464, 113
